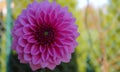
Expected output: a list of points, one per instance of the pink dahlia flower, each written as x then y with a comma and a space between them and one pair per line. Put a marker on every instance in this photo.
44, 35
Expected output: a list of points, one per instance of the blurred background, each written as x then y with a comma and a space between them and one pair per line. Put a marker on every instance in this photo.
99, 40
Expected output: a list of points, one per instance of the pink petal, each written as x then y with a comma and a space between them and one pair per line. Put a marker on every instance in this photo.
25, 36
59, 42
58, 61
33, 6
23, 20
24, 12
27, 57
61, 15
31, 19
43, 64
60, 35
20, 57
22, 42
34, 28
19, 49
19, 32
35, 67
27, 29
59, 53
14, 44
51, 66
40, 17
47, 19
45, 55
65, 50
77, 34
66, 58
70, 49
75, 44
53, 15
32, 39
69, 39
51, 59
35, 49
36, 59
42, 49
27, 48
51, 51
17, 25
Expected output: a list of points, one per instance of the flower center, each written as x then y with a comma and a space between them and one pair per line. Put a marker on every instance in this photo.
45, 35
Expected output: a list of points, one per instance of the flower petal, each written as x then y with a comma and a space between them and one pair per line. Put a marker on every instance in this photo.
42, 49
45, 55
58, 51
43, 64
27, 29
59, 42
14, 44
25, 36
19, 49
66, 58
36, 59
19, 32
31, 19
23, 20
51, 66
32, 39
20, 57
27, 57
35, 67
27, 48
22, 42
51, 51
40, 17
35, 49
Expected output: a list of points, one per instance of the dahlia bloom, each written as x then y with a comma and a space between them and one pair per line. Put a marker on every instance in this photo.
44, 35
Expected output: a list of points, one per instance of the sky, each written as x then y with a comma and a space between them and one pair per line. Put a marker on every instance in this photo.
95, 3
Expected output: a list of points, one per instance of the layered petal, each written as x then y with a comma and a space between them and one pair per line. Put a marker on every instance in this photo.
22, 42
35, 49
35, 67
27, 48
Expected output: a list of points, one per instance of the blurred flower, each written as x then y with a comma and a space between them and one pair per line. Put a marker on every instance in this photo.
44, 35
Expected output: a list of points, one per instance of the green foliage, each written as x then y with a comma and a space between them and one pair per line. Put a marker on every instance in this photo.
19, 6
